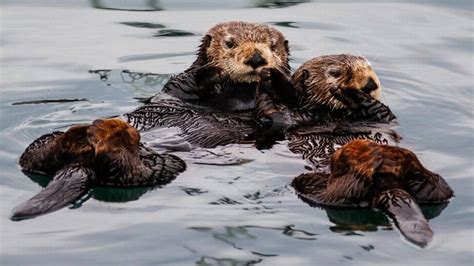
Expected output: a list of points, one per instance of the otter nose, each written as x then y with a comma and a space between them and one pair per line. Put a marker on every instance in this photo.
256, 60
371, 86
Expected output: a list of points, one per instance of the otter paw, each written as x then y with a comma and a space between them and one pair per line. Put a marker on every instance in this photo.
266, 74
208, 75
345, 95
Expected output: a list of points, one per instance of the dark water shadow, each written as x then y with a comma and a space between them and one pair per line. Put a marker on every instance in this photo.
132, 77
146, 25
231, 235
350, 220
307, 25
173, 33
50, 101
209, 260
278, 3
147, 6
104, 194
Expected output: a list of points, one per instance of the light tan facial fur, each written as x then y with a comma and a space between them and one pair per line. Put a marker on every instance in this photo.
232, 44
315, 77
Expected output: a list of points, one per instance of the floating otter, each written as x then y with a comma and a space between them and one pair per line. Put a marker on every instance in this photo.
336, 101
327, 88
327, 96
226, 71
105, 153
212, 102
367, 174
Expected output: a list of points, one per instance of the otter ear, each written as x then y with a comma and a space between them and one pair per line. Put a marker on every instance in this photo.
202, 52
299, 81
287, 47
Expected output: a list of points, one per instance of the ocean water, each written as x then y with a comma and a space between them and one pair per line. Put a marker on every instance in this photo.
68, 62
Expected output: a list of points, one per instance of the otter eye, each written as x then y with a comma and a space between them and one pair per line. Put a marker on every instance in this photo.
335, 72
273, 46
230, 44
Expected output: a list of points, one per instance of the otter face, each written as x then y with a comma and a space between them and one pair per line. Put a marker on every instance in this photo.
315, 77
242, 49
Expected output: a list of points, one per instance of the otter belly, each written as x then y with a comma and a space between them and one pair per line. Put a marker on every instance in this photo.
316, 144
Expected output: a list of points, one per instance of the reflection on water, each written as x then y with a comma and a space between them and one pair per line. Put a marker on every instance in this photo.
420, 52
278, 3
173, 33
145, 25
106, 194
147, 5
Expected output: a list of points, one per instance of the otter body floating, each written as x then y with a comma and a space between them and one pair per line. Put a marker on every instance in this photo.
229, 61
105, 153
336, 103
327, 88
367, 174
213, 101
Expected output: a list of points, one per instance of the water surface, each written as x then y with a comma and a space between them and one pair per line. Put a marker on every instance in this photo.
68, 62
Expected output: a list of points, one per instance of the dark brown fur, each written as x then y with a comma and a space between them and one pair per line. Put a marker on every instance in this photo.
314, 79
107, 152
367, 174
341, 87
229, 61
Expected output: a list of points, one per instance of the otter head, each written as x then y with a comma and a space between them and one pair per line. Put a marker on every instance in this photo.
314, 79
242, 49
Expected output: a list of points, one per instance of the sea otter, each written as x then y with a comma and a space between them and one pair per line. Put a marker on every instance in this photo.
213, 101
326, 97
226, 71
366, 174
327, 88
104, 153
336, 102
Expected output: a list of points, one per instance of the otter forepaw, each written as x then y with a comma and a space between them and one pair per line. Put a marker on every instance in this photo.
346, 96
208, 76
266, 79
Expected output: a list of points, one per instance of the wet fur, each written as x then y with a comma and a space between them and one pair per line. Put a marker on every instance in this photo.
327, 88
105, 153
366, 174
220, 76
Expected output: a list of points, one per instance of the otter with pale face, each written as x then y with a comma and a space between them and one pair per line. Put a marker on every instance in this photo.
240, 50
227, 69
331, 87
319, 80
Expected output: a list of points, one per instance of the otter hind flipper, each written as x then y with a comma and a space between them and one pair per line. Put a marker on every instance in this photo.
165, 167
68, 185
312, 189
429, 187
37, 157
406, 214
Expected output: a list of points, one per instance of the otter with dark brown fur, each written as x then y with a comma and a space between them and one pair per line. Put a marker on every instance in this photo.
213, 101
326, 88
230, 59
367, 174
105, 153
337, 102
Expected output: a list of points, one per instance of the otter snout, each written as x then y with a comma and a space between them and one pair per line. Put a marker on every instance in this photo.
256, 60
371, 86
